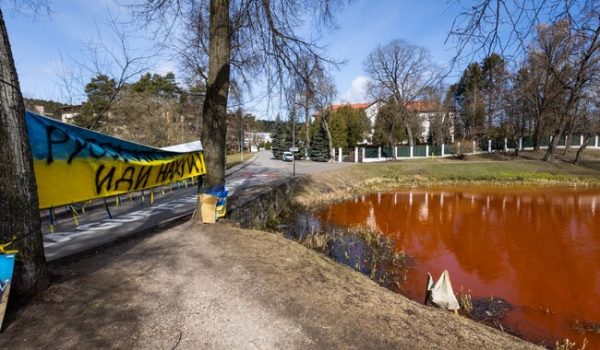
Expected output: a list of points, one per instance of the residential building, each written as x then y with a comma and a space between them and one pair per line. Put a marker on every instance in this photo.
425, 110
67, 113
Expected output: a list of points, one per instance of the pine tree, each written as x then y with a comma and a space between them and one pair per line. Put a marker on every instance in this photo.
319, 147
278, 138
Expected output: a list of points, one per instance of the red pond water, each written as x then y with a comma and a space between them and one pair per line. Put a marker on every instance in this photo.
537, 248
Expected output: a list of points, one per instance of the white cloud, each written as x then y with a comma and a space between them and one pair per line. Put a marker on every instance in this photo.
357, 92
165, 67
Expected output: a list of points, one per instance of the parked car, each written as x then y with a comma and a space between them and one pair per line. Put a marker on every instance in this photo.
287, 157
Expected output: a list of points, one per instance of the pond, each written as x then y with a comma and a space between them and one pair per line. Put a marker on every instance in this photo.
536, 248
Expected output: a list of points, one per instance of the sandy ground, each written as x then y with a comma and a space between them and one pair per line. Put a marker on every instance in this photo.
217, 286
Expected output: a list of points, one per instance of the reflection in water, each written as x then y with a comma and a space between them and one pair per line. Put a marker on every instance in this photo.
537, 248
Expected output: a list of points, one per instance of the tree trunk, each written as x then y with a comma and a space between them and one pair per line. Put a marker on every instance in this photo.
19, 213
581, 149
306, 112
537, 138
409, 134
567, 145
330, 141
214, 110
549, 157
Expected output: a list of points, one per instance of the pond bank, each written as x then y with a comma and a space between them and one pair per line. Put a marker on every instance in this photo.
221, 287
324, 189
321, 189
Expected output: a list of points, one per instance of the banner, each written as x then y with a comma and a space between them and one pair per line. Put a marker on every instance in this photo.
73, 164
7, 263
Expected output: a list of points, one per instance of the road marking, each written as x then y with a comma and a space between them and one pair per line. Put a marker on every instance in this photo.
259, 175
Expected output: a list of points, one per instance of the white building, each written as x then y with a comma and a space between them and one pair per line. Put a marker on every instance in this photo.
426, 111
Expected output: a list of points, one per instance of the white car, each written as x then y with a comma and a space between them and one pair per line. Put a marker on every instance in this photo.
287, 157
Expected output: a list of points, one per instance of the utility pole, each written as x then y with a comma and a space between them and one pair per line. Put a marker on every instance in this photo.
242, 136
294, 149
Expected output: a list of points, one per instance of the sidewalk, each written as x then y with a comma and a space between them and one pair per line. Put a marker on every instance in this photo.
64, 212
96, 228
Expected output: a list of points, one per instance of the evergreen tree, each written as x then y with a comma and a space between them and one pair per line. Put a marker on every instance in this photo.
294, 126
357, 123
386, 129
470, 101
101, 92
338, 129
278, 138
319, 147
156, 85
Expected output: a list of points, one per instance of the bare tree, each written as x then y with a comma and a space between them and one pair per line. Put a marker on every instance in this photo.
577, 67
403, 72
590, 119
541, 89
19, 213
567, 33
506, 26
309, 73
323, 102
263, 33
115, 59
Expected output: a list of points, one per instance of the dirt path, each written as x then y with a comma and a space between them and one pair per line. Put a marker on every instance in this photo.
221, 287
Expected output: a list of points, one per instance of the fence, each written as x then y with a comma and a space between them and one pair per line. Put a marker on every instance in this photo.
378, 154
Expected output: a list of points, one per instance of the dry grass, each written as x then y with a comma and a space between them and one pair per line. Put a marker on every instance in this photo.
569, 345
363, 249
236, 158
584, 327
466, 303
316, 240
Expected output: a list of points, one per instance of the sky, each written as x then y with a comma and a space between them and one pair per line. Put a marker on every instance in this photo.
41, 43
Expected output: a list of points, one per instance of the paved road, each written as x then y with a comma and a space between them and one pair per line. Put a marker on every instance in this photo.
96, 228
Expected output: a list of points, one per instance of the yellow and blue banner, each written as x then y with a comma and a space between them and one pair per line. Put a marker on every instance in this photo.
74, 164
7, 263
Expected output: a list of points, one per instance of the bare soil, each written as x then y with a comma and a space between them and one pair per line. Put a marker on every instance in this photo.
218, 286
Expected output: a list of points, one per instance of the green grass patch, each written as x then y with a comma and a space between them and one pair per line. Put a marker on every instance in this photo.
480, 170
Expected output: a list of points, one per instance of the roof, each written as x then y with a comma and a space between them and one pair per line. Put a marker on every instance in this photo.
424, 106
363, 105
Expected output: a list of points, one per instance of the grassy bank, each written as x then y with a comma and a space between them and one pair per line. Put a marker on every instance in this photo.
488, 170
237, 158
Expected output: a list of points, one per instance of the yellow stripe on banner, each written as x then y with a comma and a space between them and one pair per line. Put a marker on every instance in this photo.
62, 183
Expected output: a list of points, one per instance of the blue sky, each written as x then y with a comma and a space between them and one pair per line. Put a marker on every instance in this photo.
38, 44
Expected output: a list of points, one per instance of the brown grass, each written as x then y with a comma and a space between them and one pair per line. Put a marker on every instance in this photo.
569, 345
584, 327
380, 261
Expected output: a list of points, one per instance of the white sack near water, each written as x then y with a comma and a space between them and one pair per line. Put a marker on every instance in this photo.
442, 295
